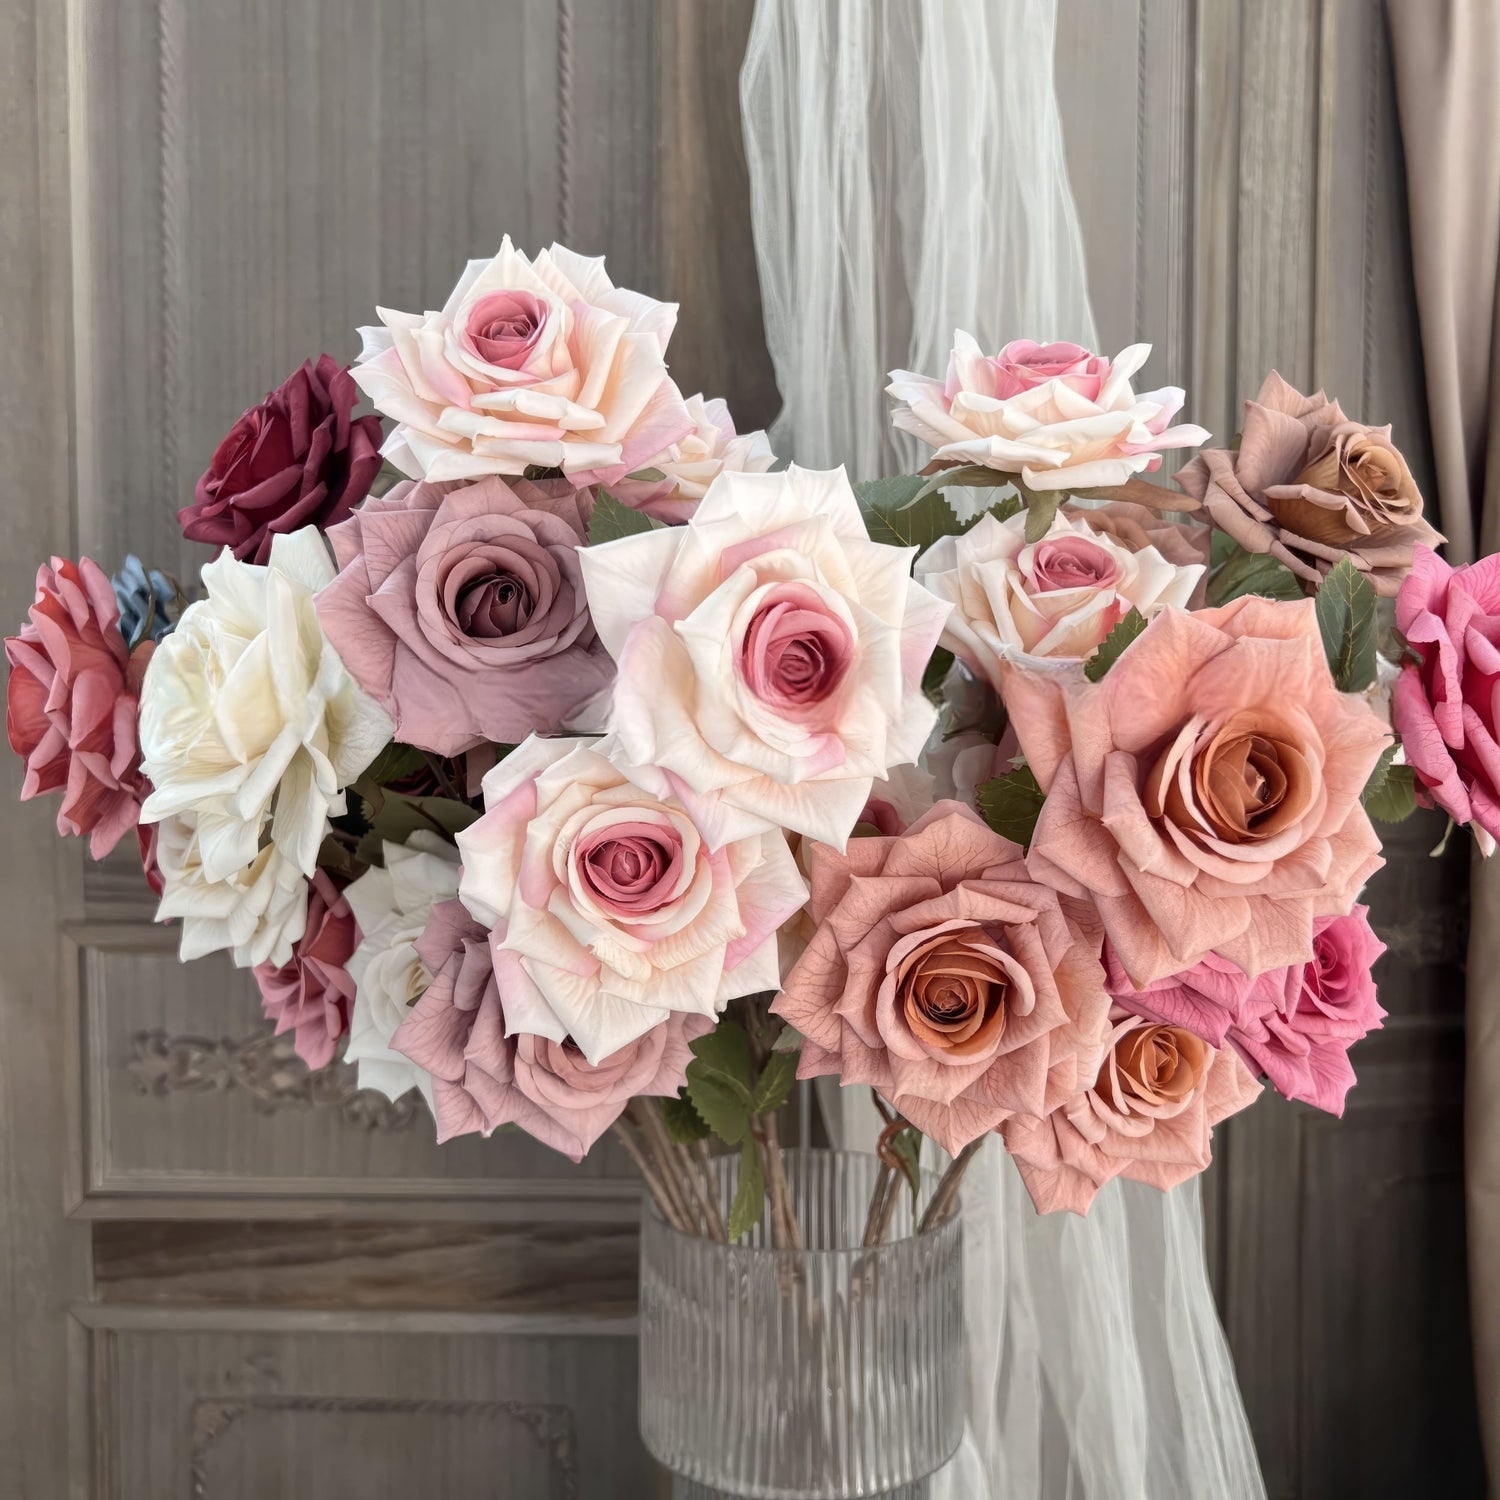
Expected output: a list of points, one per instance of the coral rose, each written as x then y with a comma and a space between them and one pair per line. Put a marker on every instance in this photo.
944, 976
608, 910
1148, 1117
73, 702
462, 610
531, 364
300, 458
770, 656
1082, 428
1308, 486
1206, 793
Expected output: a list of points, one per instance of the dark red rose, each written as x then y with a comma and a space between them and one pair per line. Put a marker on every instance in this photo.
300, 458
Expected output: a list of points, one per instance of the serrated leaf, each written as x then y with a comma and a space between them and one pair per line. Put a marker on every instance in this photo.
1391, 792
897, 513
610, 520
1011, 804
725, 1051
1041, 511
774, 1086
400, 816
1113, 646
1346, 618
1238, 572
1007, 506
394, 763
938, 667
722, 1104
749, 1194
684, 1123
906, 1147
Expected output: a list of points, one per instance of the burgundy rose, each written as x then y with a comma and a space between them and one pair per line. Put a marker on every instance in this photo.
73, 704
311, 993
300, 458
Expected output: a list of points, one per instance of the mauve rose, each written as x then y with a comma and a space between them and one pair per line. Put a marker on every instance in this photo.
483, 1078
72, 706
461, 608
311, 993
1445, 710
300, 458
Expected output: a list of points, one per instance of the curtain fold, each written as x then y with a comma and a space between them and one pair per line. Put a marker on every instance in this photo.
1447, 62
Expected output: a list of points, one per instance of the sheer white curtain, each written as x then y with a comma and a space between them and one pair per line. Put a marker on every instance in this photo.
908, 177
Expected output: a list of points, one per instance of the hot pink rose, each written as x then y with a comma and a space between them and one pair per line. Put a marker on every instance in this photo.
311, 993
1445, 709
72, 707
942, 975
300, 458
461, 608
483, 1078
1148, 1117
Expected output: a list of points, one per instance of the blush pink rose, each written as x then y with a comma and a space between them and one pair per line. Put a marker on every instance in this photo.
942, 975
1023, 365
1212, 998
1205, 795
72, 705
1148, 1116
462, 610
1445, 709
311, 993
483, 1078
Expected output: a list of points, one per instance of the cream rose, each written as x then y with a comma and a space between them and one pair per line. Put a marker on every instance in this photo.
540, 363
608, 909
1058, 597
249, 721
770, 656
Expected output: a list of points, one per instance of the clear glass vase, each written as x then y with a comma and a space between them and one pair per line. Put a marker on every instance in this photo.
825, 1373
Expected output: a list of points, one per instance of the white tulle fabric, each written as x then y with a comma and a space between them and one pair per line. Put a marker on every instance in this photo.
908, 179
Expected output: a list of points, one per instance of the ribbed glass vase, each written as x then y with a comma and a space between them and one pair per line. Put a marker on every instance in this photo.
826, 1373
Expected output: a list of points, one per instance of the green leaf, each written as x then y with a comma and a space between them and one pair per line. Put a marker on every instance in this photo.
610, 520
1041, 511
684, 1123
906, 1146
1113, 646
726, 1052
1346, 618
749, 1194
774, 1086
1007, 506
1011, 804
1238, 572
394, 763
897, 513
722, 1104
788, 1039
938, 668
1391, 792
400, 816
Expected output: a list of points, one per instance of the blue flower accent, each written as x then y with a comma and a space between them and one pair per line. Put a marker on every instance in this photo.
141, 594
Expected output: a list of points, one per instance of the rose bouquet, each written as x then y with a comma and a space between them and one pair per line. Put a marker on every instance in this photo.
570, 767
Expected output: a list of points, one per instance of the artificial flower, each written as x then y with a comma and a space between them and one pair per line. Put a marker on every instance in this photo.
531, 364
1309, 487
944, 976
1082, 428
770, 656
149, 601
300, 458
73, 702
1184, 542
1215, 998
607, 908
462, 610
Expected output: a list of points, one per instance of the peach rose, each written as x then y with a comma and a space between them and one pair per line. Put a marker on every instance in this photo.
1205, 794
944, 976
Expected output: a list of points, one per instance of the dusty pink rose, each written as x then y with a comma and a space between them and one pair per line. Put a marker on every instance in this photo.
942, 975
1205, 795
311, 993
300, 458
1308, 486
462, 610
72, 706
1148, 1117
1445, 710
482, 1078
1212, 998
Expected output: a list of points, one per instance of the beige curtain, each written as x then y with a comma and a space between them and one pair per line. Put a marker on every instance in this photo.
1447, 64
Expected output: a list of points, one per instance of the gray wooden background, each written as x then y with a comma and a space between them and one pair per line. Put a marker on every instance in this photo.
221, 1279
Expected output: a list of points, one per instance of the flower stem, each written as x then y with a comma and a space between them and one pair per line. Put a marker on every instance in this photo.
945, 1199
649, 1176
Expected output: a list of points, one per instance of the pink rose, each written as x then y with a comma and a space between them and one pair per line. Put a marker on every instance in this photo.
1445, 709
1022, 366
1213, 998
1205, 795
1148, 1116
483, 1078
300, 458
942, 975
462, 610
311, 993
72, 706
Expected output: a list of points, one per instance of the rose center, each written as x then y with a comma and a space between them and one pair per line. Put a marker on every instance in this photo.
630, 869
494, 605
503, 328
795, 652
1072, 562
1155, 1066
954, 990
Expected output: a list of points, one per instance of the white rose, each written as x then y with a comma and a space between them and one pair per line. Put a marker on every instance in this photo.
248, 719
391, 906
770, 656
1058, 597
